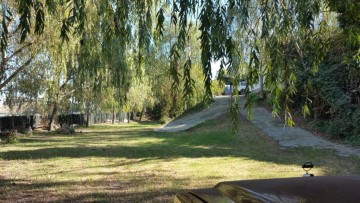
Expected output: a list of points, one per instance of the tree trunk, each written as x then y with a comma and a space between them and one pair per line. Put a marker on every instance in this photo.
261, 80
141, 113
113, 115
87, 121
128, 114
261, 92
87, 117
52, 117
132, 116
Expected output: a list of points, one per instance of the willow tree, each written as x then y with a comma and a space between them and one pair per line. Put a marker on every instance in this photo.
27, 57
18, 49
273, 24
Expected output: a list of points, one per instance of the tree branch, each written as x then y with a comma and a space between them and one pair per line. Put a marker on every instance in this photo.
66, 93
19, 50
15, 73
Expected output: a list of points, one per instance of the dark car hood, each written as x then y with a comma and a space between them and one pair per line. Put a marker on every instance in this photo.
304, 189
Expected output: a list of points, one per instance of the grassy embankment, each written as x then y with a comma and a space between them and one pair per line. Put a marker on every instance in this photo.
131, 163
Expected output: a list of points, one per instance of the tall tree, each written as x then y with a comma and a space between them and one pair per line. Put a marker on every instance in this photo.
271, 29
18, 47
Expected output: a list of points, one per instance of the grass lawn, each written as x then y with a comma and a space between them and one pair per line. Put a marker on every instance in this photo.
131, 163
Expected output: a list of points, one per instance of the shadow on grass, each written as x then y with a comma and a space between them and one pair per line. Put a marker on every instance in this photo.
211, 139
39, 139
166, 195
152, 151
194, 144
141, 124
21, 190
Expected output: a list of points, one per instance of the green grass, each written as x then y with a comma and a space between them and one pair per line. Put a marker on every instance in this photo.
132, 163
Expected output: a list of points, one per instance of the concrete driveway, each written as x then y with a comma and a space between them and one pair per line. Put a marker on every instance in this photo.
263, 119
217, 108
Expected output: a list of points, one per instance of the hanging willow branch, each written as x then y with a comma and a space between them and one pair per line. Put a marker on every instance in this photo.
271, 32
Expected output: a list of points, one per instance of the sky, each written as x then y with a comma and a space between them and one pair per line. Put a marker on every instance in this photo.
215, 66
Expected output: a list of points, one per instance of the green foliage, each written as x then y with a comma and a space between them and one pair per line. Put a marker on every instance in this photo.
326, 95
348, 19
6, 18
234, 111
164, 119
255, 98
25, 9
160, 22
12, 139
110, 46
189, 83
181, 88
217, 87
339, 127
139, 96
156, 112
354, 140
9, 137
205, 28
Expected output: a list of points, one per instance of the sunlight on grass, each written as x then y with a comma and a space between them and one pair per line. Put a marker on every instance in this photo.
131, 162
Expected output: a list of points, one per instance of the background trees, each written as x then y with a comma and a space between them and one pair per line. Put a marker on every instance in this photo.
166, 48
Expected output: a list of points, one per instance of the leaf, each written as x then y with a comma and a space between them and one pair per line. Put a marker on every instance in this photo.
160, 22
234, 112
40, 18
189, 83
25, 18
65, 29
306, 111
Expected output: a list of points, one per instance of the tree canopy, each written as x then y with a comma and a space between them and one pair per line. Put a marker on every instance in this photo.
114, 41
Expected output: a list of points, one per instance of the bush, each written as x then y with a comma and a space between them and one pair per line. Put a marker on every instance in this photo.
339, 128
164, 119
318, 125
12, 139
354, 140
155, 112
255, 98
217, 88
26, 131
66, 130
8, 137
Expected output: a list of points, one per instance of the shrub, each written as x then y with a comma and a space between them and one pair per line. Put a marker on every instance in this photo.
217, 88
340, 127
164, 119
26, 131
255, 97
9, 137
318, 125
66, 130
155, 112
354, 140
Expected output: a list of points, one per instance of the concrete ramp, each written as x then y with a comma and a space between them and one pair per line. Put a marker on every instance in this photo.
217, 108
294, 136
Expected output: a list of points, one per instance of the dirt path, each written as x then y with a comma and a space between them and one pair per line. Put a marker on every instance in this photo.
263, 119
